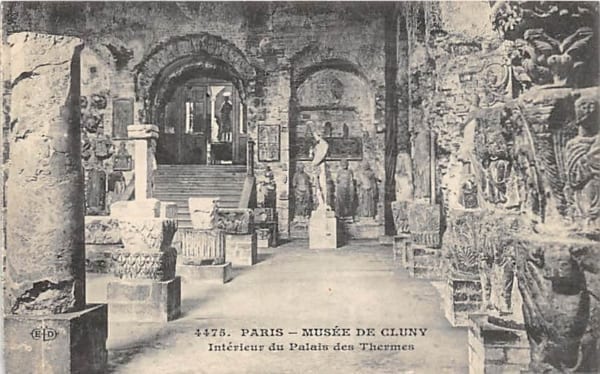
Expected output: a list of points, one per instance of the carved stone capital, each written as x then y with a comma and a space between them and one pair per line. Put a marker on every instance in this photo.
147, 234
158, 266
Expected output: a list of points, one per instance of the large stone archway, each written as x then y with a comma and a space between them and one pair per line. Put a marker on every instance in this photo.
173, 58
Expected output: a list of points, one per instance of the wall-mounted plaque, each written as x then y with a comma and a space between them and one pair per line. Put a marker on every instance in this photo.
268, 143
122, 117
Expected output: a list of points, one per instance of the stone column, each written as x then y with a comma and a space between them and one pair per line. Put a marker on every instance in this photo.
148, 290
144, 137
49, 327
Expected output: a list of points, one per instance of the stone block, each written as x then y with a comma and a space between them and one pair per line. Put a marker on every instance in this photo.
494, 349
241, 250
424, 221
142, 131
363, 229
203, 212
144, 300
102, 230
299, 228
143, 208
158, 266
221, 273
168, 210
65, 343
98, 257
425, 263
235, 221
264, 215
402, 249
323, 231
196, 246
400, 214
147, 234
463, 297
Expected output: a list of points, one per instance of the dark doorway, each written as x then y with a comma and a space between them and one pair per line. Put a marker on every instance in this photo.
203, 124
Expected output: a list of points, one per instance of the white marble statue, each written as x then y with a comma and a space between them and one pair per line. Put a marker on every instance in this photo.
319, 153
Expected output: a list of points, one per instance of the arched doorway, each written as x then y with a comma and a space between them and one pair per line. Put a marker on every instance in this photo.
193, 88
201, 120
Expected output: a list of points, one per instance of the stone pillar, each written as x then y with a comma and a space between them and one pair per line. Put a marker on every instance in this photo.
148, 290
48, 326
144, 137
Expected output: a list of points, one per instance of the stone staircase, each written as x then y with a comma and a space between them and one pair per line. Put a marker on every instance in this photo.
177, 183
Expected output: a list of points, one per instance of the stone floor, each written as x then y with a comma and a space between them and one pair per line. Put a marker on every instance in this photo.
293, 288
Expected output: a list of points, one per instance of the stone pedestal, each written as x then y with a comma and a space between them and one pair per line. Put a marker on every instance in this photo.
322, 232
425, 263
144, 300
403, 249
201, 255
494, 349
267, 235
148, 289
220, 274
57, 343
241, 249
462, 298
366, 228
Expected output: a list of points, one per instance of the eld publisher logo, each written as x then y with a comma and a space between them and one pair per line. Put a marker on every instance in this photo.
44, 333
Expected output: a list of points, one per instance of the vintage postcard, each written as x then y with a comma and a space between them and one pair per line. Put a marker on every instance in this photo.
300, 187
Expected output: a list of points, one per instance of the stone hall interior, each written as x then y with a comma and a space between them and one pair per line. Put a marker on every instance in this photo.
300, 187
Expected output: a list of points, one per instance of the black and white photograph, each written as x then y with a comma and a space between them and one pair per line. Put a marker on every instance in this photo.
269, 187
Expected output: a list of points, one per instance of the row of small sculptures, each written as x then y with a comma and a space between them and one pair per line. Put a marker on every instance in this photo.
349, 195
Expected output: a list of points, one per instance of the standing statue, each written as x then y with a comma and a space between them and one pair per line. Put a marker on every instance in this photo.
403, 177
225, 120
267, 190
583, 165
344, 191
302, 193
368, 193
319, 153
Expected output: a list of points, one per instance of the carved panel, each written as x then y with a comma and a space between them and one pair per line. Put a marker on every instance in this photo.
199, 247
235, 221
268, 143
158, 266
147, 234
122, 117
424, 224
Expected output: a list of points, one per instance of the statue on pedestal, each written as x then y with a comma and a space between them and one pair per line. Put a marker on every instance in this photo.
404, 183
267, 190
319, 154
302, 193
344, 190
367, 192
